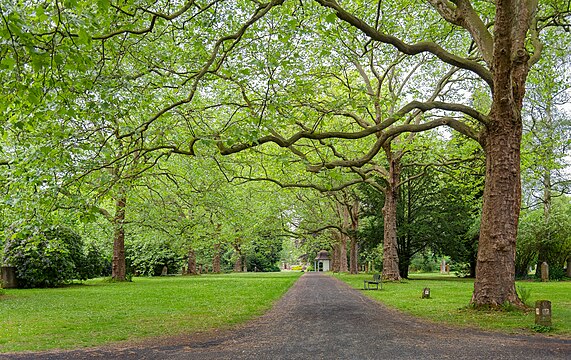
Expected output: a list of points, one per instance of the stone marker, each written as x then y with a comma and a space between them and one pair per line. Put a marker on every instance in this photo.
544, 272
165, 271
9, 277
426, 293
543, 312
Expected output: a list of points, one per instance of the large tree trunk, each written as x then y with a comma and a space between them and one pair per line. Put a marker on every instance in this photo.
569, 267
191, 262
390, 252
335, 252
354, 256
495, 273
343, 265
216, 259
119, 268
354, 248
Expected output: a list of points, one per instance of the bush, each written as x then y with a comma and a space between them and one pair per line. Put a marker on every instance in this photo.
44, 257
556, 273
93, 264
149, 258
423, 263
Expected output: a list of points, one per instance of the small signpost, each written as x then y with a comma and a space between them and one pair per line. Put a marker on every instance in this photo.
543, 312
426, 293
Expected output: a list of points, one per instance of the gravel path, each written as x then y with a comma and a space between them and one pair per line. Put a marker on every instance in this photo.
322, 318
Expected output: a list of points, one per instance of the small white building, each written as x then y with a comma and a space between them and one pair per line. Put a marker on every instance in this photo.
322, 261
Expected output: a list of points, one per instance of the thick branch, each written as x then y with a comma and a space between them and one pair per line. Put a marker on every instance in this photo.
408, 49
379, 143
464, 15
303, 186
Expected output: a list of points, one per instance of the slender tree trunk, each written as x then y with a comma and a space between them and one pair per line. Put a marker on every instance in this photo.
354, 256
216, 259
354, 252
390, 253
191, 262
569, 267
119, 268
343, 266
544, 240
238, 263
335, 253
473, 263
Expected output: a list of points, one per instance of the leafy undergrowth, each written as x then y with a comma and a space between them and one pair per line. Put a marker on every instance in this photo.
450, 296
100, 312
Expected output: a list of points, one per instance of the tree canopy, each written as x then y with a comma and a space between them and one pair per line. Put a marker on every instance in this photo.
105, 100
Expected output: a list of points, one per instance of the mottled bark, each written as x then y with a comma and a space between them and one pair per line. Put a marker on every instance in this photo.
495, 273
118, 267
343, 265
216, 259
238, 255
335, 253
354, 256
390, 252
191, 262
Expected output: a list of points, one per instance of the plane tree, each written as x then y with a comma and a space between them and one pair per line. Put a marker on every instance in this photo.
186, 55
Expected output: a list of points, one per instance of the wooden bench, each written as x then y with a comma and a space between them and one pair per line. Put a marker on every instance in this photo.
376, 281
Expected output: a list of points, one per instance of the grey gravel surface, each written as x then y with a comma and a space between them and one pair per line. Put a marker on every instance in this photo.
323, 318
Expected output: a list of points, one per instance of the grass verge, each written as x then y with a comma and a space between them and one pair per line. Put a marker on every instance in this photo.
450, 296
99, 312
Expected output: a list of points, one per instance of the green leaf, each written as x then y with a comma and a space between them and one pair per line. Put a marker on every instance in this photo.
103, 4
84, 37
9, 63
331, 18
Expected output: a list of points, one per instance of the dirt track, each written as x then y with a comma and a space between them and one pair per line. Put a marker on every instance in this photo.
323, 318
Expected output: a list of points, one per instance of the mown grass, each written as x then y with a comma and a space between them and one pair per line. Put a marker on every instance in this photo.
99, 312
450, 297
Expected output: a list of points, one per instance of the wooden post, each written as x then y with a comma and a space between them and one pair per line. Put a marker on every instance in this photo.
543, 312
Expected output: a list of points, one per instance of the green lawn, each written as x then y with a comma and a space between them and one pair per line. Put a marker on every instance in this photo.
450, 296
100, 312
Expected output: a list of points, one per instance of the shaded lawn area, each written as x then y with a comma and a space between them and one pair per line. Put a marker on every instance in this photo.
99, 312
451, 295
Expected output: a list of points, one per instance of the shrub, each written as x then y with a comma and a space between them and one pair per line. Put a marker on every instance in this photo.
50, 256
44, 257
556, 273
